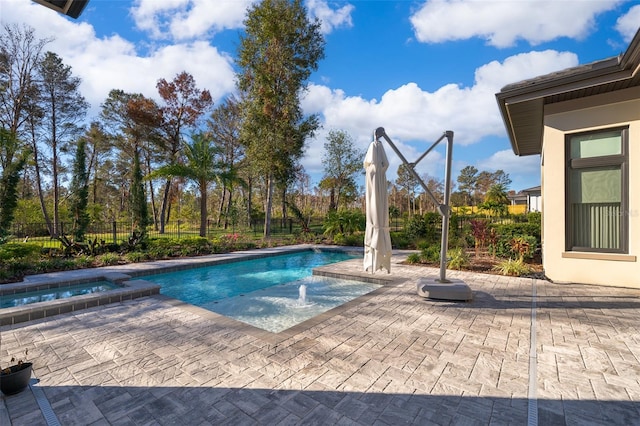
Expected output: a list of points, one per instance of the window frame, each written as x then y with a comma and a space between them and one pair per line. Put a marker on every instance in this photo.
590, 163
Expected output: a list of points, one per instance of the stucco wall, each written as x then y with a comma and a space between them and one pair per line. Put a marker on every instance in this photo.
591, 113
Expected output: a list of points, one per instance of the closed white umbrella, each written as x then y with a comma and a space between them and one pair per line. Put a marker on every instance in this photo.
377, 241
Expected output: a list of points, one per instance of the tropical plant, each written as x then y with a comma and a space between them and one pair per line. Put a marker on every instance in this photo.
457, 258
344, 222
200, 166
479, 230
512, 267
183, 104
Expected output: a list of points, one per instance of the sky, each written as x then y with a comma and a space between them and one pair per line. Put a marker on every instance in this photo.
415, 67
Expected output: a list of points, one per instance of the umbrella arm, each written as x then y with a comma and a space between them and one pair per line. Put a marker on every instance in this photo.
443, 207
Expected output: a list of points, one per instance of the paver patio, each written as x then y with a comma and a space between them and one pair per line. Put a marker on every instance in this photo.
386, 358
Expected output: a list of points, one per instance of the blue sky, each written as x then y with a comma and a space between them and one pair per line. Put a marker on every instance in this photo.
416, 68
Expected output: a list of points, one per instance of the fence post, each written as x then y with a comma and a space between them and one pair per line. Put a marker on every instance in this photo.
178, 228
114, 232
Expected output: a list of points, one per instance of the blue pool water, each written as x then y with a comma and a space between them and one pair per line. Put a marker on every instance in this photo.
64, 292
203, 285
272, 293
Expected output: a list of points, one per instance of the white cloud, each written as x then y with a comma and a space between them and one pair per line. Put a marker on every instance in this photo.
510, 163
524, 171
628, 24
188, 19
191, 19
502, 23
113, 63
410, 113
330, 18
415, 118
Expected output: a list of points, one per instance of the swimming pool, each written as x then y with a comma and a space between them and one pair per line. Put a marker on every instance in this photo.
205, 284
272, 293
49, 294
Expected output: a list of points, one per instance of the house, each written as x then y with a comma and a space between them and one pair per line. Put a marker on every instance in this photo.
530, 197
72, 8
584, 122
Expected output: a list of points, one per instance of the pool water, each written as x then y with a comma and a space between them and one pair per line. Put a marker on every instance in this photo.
202, 285
271, 293
63, 292
280, 307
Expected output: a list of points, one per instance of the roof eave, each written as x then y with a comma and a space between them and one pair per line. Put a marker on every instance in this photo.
521, 104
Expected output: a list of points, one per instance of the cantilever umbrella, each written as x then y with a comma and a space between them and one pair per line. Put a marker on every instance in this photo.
377, 241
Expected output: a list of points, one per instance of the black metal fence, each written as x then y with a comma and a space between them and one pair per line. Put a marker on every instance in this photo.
115, 232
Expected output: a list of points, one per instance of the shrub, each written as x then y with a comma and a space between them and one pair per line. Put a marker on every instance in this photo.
13, 270
344, 222
135, 256
354, 240
423, 227
430, 254
522, 246
108, 259
399, 240
457, 258
83, 261
415, 228
512, 267
480, 232
512, 230
26, 251
414, 258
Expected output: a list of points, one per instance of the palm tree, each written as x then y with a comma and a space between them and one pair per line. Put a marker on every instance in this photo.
496, 199
200, 166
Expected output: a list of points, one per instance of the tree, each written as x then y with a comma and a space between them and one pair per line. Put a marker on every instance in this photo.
341, 161
200, 166
467, 180
224, 129
9, 179
183, 105
132, 121
436, 187
277, 54
496, 200
20, 54
63, 109
408, 182
139, 209
485, 180
79, 192
98, 148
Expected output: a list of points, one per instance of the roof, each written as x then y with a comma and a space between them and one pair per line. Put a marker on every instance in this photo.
522, 104
533, 189
72, 8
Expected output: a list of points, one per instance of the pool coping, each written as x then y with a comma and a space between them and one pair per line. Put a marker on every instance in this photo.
130, 279
126, 290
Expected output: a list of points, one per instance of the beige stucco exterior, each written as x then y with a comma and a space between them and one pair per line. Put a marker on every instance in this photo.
620, 108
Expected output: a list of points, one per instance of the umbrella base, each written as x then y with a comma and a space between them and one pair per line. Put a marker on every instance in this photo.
432, 288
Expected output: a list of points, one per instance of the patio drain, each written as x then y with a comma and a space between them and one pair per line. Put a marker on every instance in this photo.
43, 403
533, 361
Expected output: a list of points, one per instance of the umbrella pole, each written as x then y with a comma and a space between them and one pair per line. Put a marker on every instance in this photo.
443, 208
441, 288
